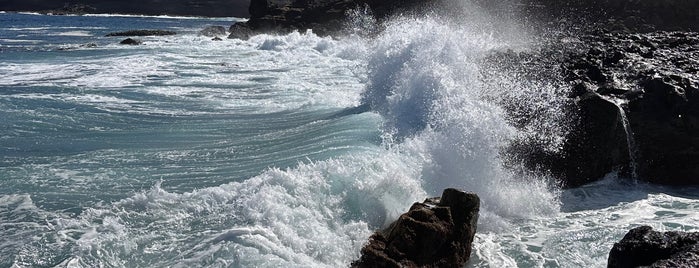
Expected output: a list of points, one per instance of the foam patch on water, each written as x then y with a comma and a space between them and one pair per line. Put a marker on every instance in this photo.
74, 33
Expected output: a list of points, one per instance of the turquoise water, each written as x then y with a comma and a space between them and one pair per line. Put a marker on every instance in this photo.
279, 151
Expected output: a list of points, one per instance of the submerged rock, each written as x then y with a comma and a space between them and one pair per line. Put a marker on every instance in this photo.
644, 247
436, 233
143, 33
129, 41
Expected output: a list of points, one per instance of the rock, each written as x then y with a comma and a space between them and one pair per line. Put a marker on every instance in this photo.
214, 31
596, 146
71, 9
216, 39
659, 96
143, 33
240, 30
665, 122
436, 233
129, 41
644, 247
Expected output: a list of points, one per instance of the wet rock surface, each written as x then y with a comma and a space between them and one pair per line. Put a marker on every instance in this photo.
654, 77
436, 233
634, 106
647, 248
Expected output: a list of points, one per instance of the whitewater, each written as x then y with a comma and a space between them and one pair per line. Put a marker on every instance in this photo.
284, 150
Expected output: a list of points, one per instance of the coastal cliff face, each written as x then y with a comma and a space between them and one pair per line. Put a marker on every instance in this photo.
208, 8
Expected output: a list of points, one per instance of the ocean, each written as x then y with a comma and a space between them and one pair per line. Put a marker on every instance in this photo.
283, 150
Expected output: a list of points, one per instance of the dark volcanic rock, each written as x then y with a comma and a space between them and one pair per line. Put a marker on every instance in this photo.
436, 233
656, 78
652, 79
644, 247
213, 31
143, 33
620, 15
597, 145
129, 41
71, 9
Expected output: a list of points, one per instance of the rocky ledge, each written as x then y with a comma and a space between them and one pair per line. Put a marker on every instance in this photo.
635, 98
436, 233
644, 247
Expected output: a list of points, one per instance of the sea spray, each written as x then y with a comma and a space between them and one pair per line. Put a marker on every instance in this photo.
424, 79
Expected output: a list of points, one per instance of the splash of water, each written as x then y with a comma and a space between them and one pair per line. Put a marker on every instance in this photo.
425, 79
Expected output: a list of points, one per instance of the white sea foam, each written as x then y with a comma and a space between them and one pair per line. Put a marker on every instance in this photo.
74, 33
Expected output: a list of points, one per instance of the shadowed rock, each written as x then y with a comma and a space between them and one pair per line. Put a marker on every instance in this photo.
436, 233
129, 41
654, 79
644, 247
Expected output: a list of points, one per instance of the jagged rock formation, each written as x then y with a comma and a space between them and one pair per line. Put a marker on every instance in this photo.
644, 247
652, 81
655, 77
436, 233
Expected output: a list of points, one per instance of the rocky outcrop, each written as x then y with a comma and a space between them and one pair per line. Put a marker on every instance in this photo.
143, 33
644, 247
436, 233
655, 78
634, 108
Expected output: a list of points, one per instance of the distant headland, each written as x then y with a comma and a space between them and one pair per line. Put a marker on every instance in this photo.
206, 8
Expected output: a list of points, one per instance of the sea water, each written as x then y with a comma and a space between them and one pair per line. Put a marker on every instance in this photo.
282, 150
